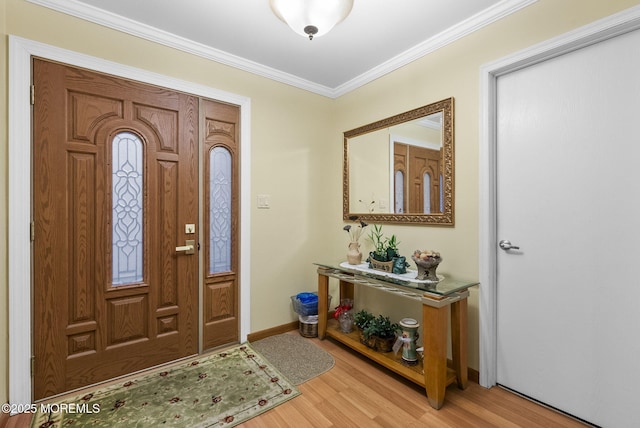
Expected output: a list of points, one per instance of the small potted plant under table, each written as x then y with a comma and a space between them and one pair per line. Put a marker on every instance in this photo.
383, 331
361, 320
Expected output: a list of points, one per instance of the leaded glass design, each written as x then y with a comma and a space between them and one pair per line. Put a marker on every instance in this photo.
219, 210
427, 193
399, 190
127, 191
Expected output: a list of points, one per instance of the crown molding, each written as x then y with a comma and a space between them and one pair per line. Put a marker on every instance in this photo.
147, 32
464, 28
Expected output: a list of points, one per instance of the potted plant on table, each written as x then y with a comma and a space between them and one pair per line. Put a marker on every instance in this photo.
385, 255
383, 331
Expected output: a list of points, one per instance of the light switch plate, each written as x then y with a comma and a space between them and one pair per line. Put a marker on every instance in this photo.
264, 201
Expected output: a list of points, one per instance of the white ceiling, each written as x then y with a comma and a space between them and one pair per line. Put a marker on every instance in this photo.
378, 36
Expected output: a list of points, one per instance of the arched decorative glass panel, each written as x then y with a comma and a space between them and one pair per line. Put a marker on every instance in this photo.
426, 183
127, 190
220, 210
399, 190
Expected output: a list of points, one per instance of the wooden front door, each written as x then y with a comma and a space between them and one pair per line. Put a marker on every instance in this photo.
221, 213
115, 170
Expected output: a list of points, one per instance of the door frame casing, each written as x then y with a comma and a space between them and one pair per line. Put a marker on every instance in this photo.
20, 207
603, 29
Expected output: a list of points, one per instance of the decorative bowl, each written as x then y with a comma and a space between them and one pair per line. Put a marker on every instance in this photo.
427, 265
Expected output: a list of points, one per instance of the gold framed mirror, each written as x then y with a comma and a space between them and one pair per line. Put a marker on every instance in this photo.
401, 169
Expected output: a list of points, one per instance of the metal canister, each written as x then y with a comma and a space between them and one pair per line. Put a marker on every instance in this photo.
409, 336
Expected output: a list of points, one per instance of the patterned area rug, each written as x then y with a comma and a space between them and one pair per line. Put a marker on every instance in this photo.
297, 358
218, 390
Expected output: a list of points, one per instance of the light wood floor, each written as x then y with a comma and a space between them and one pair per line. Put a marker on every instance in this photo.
357, 393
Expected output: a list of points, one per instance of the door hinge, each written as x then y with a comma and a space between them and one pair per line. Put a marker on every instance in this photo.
32, 231
33, 365
33, 95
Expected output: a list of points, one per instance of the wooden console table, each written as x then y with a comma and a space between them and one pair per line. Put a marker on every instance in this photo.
431, 373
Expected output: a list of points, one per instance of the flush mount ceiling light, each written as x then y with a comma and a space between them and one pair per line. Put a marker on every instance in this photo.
311, 18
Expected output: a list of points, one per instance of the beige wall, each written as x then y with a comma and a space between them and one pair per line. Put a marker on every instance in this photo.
296, 153
454, 72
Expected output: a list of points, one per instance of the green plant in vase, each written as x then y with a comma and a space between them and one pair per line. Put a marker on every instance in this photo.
383, 330
362, 318
392, 248
381, 326
385, 251
379, 243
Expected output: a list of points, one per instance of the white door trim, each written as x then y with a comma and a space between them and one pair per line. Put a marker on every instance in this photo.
606, 28
20, 53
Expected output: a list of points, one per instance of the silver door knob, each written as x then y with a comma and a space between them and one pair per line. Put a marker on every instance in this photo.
506, 245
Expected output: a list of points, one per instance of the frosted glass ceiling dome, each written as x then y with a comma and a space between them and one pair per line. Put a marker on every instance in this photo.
311, 18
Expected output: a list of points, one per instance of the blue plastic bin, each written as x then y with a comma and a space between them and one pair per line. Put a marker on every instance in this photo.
306, 304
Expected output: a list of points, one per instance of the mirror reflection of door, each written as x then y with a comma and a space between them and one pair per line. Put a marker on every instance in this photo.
418, 172
400, 162
377, 178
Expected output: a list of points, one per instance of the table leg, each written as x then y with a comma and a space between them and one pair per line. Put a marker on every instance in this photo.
323, 304
346, 291
459, 341
434, 321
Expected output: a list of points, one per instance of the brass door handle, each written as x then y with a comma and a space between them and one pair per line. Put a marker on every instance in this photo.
189, 248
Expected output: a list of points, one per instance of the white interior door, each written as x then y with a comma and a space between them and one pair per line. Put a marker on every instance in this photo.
568, 192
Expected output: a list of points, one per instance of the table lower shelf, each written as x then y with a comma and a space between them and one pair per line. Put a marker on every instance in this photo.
390, 360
